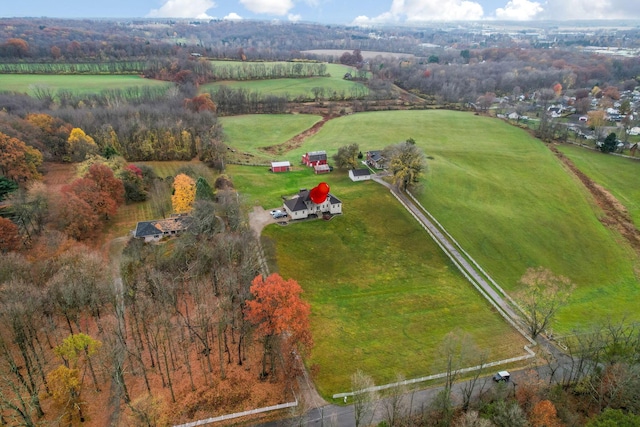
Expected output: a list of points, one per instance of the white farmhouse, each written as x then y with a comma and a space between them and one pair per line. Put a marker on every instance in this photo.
300, 206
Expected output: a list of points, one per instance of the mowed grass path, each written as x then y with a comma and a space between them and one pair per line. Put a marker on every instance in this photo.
26, 83
506, 198
383, 295
617, 174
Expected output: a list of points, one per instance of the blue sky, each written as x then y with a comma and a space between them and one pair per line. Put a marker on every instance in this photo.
329, 11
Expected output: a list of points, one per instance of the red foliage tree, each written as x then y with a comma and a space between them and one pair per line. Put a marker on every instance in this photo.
278, 311
76, 217
107, 182
9, 236
88, 191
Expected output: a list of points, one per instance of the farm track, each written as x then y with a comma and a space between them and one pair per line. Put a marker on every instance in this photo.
615, 214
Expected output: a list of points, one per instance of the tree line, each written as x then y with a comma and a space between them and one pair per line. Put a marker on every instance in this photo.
149, 127
172, 329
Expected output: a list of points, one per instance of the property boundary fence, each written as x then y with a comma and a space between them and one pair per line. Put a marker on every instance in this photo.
239, 414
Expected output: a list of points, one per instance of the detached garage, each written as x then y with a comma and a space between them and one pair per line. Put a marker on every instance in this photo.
280, 166
359, 174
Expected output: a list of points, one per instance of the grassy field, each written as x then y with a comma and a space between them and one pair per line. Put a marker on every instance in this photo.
383, 295
300, 88
26, 83
616, 174
508, 201
249, 133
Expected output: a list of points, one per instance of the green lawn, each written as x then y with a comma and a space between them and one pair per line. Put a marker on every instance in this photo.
383, 295
508, 201
26, 83
616, 174
249, 133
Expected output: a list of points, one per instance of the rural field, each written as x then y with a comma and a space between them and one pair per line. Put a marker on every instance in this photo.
505, 197
27, 83
616, 174
297, 87
383, 295
249, 133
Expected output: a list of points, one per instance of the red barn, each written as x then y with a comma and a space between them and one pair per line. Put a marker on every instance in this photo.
314, 158
280, 166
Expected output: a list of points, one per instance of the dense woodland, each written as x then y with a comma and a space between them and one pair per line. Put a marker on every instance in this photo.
181, 327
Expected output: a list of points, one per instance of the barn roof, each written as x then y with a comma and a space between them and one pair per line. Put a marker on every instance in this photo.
280, 164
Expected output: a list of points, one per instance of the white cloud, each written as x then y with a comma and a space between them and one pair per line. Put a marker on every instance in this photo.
232, 17
591, 9
294, 18
519, 10
384, 18
270, 7
183, 9
426, 10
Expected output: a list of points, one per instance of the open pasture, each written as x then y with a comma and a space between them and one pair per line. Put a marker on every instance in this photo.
297, 88
616, 174
250, 133
510, 203
29, 83
333, 86
383, 295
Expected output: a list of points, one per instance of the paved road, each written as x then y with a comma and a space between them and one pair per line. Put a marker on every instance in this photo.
416, 402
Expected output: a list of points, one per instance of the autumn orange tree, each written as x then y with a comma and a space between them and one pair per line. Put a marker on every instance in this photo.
18, 161
100, 189
544, 414
9, 236
278, 312
202, 102
184, 193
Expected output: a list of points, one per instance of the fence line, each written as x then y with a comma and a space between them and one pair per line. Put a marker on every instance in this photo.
239, 414
529, 354
469, 257
437, 376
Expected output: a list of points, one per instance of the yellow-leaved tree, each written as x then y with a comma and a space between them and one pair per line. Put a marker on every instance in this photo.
81, 145
184, 193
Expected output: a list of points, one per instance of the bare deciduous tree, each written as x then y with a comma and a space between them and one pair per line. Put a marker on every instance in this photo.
543, 295
364, 398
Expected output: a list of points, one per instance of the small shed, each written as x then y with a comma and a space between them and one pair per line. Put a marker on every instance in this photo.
280, 166
359, 174
322, 169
